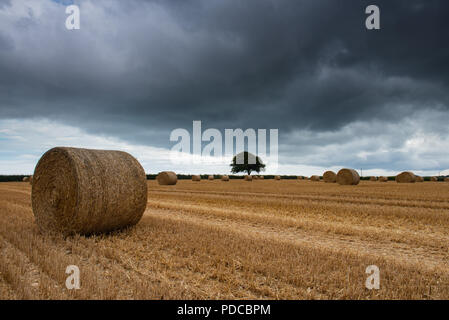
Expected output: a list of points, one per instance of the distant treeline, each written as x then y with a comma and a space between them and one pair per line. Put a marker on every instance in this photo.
13, 178
217, 176
393, 178
16, 178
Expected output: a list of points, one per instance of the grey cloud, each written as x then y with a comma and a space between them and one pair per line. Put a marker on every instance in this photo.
138, 69
5, 3
418, 142
6, 43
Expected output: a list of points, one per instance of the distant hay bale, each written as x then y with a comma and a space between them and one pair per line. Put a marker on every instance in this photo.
277, 178
329, 177
82, 191
315, 178
261, 177
167, 178
434, 179
406, 177
224, 178
248, 178
196, 178
210, 178
383, 179
446, 179
348, 177
255, 177
26, 179
419, 179
372, 178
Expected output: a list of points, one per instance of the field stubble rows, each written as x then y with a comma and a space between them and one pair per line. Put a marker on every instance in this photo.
251, 240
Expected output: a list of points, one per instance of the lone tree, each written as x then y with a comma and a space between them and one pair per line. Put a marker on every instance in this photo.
246, 162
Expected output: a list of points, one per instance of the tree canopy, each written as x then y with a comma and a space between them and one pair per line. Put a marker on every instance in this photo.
246, 162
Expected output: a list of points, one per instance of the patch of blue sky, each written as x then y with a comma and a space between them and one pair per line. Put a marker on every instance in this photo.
64, 2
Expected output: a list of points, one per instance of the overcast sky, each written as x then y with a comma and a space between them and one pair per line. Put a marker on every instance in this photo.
339, 94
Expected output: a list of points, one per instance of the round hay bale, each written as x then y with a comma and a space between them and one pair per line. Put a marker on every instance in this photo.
255, 177
248, 178
446, 179
406, 177
224, 178
261, 177
315, 178
87, 191
277, 177
372, 178
434, 179
419, 179
383, 179
167, 178
196, 178
348, 177
329, 177
210, 178
26, 179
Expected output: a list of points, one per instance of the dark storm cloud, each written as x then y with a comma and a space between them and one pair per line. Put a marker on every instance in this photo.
138, 69
4, 3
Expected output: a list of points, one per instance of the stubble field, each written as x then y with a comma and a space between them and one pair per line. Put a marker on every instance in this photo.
263, 239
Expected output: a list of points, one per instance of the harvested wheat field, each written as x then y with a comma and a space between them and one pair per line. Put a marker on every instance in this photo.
285, 239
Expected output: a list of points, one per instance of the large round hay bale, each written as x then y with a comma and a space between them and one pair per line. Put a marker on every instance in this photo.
167, 178
26, 179
196, 178
372, 178
224, 178
406, 177
329, 177
277, 178
383, 179
315, 178
248, 178
87, 191
348, 177
434, 179
210, 178
419, 179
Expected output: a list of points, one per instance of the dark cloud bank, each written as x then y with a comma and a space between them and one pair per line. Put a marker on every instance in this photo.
138, 69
